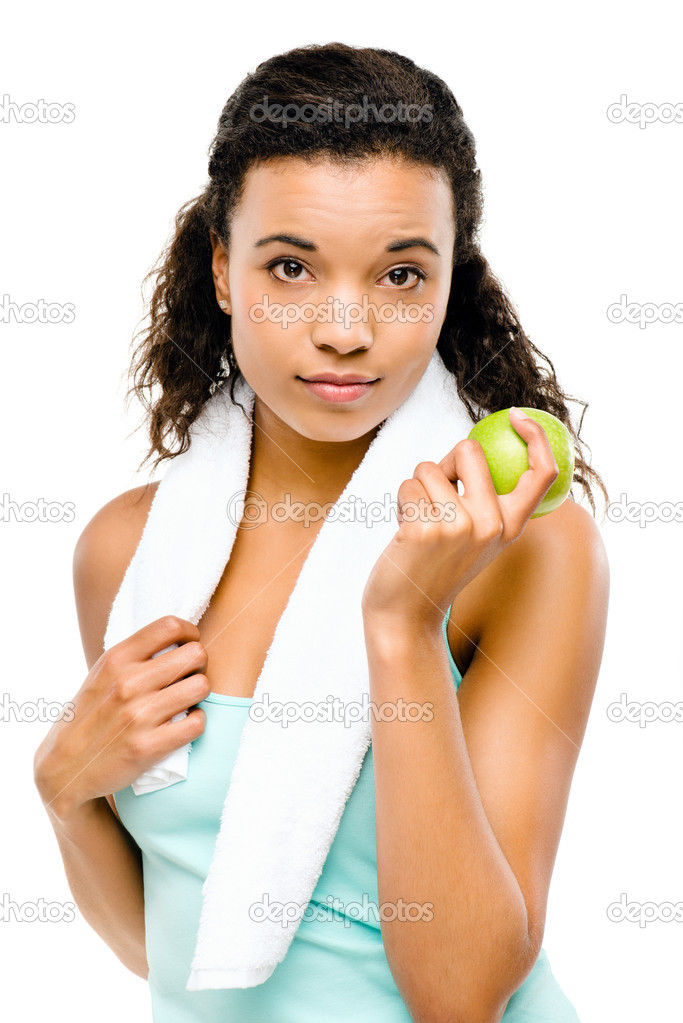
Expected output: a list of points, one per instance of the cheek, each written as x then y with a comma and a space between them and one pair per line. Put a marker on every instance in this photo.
261, 354
414, 337
264, 354
260, 345
248, 300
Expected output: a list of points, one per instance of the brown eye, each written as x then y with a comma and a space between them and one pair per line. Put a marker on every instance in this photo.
287, 268
291, 269
402, 271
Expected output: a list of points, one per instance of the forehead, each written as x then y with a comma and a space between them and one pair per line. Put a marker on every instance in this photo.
369, 191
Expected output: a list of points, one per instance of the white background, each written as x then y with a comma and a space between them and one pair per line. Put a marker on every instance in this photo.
579, 210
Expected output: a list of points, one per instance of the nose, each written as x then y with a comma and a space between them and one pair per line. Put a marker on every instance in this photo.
346, 323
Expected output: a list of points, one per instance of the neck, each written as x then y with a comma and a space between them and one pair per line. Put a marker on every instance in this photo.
285, 462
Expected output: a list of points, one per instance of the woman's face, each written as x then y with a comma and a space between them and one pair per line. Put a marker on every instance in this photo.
355, 302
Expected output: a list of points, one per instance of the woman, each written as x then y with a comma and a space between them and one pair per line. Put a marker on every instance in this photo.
466, 809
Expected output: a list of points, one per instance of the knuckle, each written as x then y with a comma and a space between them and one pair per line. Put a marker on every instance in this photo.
469, 444
170, 625
195, 650
201, 685
124, 688
443, 513
112, 660
197, 721
138, 747
491, 530
464, 520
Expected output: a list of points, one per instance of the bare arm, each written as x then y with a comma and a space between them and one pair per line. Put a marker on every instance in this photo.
474, 832
120, 727
471, 798
104, 870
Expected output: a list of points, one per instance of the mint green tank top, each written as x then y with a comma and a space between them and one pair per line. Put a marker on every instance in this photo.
335, 969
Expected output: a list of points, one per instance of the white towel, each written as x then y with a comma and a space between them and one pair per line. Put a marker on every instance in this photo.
289, 785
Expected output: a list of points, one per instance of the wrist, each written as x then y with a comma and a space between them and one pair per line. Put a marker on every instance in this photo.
59, 800
404, 626
402, 636
74, 819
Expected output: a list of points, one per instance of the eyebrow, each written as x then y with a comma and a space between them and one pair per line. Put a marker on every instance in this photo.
303, 243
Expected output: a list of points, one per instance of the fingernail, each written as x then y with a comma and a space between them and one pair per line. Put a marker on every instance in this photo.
518, 412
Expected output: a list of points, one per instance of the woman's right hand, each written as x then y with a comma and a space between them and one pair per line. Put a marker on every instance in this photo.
121, 723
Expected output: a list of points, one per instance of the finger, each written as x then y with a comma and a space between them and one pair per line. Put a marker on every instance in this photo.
468, 461
440, 498
413, 502
154, 637
182, 695
536, 481
188, 659
171, 735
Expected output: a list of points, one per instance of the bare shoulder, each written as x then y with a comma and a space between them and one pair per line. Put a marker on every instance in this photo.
567, 538
543, 601
565, 544
101, 556
562, 553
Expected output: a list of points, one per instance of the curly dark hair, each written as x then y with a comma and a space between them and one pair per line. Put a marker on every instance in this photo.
185, 348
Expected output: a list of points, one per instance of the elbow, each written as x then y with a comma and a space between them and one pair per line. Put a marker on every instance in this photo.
137, 964
140, 968
457, 1010
462, 1014
132, 953
485, 1003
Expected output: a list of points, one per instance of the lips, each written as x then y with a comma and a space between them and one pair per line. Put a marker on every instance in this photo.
331, 378
339, 393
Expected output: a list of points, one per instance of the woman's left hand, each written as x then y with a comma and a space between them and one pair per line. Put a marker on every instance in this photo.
445, 539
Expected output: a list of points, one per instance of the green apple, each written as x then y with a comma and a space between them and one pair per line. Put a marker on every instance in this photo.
506, 453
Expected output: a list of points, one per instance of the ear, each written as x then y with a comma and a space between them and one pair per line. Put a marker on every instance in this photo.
219, 270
